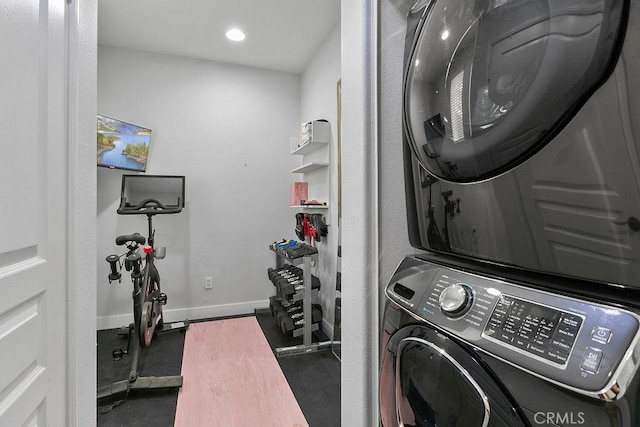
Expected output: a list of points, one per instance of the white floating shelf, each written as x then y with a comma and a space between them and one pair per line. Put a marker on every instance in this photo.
310, 206
310, 167
309, 147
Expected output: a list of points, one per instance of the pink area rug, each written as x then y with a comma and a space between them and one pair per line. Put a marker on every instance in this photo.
231, 378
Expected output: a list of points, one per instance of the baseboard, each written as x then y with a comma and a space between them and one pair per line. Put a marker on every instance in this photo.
194, 313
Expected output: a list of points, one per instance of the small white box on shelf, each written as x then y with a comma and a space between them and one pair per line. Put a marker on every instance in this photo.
315, 131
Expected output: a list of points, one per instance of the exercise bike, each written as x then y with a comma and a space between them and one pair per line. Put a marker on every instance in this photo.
147, 296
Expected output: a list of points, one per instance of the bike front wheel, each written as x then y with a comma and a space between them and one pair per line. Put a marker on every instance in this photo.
147, 324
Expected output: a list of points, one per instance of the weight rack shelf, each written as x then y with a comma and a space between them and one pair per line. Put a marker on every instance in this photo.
306, 296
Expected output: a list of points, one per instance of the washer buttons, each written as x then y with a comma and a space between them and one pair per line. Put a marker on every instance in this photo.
591, 360
601, 335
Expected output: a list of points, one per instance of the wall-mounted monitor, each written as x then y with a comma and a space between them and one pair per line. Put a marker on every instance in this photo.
122, 145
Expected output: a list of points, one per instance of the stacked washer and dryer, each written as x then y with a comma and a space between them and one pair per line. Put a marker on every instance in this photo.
522, 167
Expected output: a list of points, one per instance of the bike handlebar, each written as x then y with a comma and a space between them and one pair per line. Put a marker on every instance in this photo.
135, 237
149, 207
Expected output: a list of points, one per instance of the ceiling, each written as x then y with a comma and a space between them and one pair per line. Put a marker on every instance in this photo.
281, 34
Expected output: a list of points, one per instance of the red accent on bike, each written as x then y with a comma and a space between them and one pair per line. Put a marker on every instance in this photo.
147, 249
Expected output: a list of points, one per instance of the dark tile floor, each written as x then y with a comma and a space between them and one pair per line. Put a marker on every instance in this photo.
313, 378
164, 357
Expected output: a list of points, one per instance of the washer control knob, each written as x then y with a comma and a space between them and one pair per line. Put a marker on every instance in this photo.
456, 300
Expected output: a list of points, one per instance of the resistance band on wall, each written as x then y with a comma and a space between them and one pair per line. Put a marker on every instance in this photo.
310, 225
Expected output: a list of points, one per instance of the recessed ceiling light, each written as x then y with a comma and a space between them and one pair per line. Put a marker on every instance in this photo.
235, 35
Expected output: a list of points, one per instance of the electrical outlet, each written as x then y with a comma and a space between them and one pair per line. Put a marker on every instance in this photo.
208, 283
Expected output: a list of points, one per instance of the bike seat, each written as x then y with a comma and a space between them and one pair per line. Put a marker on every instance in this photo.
135, 237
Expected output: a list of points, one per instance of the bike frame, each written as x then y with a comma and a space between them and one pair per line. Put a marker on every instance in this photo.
147, 299
147, 305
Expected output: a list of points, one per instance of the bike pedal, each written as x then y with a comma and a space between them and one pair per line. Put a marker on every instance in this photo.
117, 353
162, 299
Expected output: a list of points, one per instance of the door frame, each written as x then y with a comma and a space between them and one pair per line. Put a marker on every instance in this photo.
82, 45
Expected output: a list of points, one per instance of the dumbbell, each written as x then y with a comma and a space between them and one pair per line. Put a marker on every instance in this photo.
287, 289
276, 272
295, 314
290, 310
286, 283
288, 274
281, 281
287, 279
287, 270
291, 277
273, 271
289, 324
274, 303
300, 250
296, 252
279, 305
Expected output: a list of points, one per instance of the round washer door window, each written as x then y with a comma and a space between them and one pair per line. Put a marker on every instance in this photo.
440, 383
489, 82
434, 390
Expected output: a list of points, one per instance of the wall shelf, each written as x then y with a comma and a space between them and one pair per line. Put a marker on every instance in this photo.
315, 172
310, 206
309, 147
308, 167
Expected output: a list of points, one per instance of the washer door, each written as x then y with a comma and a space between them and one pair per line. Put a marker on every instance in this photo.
490, 82
439, 383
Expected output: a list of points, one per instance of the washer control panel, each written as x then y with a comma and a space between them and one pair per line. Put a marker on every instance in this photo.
577, 344
539, 330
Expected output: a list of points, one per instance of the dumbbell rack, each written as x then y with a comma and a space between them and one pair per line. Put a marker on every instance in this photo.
307, 296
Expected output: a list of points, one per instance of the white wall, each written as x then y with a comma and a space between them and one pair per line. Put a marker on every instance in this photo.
227, 129
394, 238
318, 100
360, 317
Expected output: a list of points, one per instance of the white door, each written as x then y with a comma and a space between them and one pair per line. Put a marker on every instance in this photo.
33, 200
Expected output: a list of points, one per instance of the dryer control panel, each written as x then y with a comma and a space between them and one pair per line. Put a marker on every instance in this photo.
580, 345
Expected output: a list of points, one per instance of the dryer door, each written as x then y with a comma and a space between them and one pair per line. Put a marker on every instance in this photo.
439, 383
488, 83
